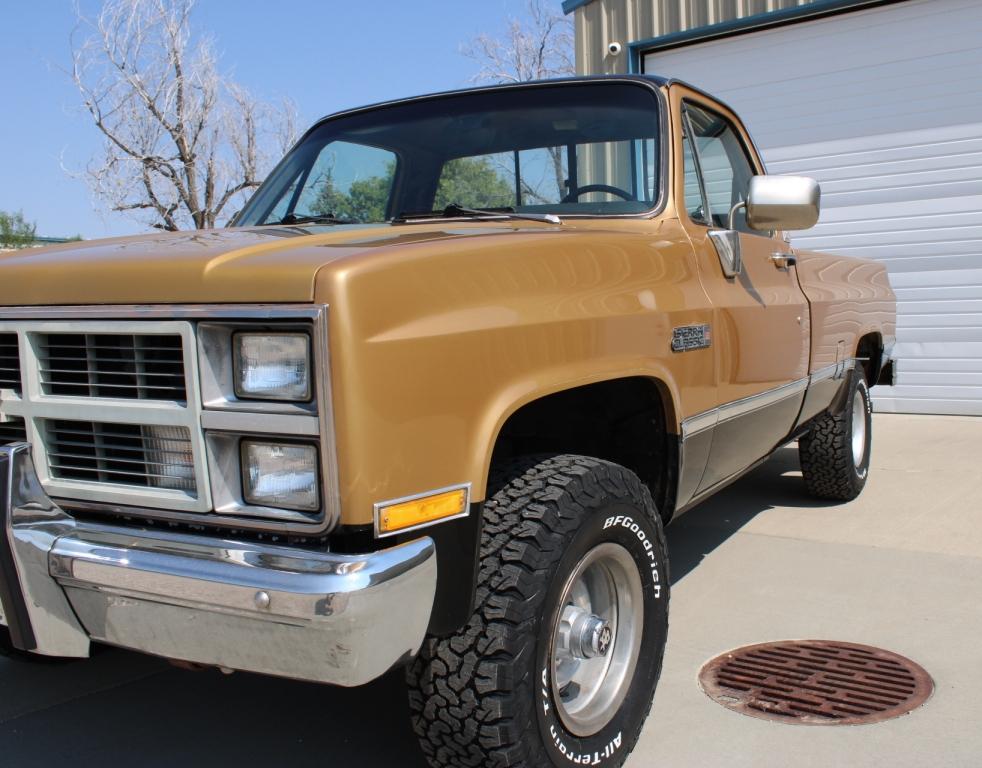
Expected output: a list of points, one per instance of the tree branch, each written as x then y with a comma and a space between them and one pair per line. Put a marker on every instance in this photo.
175, 131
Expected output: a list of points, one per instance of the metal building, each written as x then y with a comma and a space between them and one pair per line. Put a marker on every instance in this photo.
879, 101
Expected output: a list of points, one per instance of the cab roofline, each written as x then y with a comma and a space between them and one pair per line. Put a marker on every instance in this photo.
649, 80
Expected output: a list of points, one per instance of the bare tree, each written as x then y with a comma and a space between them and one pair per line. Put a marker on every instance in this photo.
182, 141
538, 47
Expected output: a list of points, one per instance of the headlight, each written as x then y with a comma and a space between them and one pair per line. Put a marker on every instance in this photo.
283, 475
272, 366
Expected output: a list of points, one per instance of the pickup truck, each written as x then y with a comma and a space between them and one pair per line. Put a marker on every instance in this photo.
429, 402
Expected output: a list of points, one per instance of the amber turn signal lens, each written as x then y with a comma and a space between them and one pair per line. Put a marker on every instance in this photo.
428, 509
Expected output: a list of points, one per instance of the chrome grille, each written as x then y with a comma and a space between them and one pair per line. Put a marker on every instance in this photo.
127, 367
121, 454
13, 431
9, 362
113, 404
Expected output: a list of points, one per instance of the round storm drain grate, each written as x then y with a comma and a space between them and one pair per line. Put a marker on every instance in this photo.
816, 682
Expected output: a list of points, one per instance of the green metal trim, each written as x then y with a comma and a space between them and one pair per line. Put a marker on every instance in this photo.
817, 9
571, 5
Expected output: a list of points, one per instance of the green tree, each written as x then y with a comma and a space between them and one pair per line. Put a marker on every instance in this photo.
473, 183
468, 181
365, 200
15, 231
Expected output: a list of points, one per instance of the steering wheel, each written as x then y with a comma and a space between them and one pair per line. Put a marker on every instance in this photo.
574, 194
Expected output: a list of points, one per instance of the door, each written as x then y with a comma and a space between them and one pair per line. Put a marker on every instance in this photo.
760, 318
881, 106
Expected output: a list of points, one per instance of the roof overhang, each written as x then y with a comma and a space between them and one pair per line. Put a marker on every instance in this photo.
767, 18
571, 5
758, 21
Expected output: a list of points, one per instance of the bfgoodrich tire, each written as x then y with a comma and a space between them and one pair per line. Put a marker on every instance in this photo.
835, 453
559, 662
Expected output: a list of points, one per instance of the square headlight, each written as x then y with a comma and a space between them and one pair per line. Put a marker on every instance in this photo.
282, 475
272, 366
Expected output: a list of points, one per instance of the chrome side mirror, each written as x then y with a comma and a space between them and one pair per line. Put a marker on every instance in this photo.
782, 202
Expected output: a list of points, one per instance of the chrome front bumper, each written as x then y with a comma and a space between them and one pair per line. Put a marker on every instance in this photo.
340, 619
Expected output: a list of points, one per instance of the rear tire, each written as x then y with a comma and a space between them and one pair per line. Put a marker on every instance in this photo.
835, 453
559, 661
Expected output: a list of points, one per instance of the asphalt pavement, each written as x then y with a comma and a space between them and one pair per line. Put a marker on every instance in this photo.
899, 568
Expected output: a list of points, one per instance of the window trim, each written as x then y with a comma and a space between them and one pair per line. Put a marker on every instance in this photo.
756, 165
687, 132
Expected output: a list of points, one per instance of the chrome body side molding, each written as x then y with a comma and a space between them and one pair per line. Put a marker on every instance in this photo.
759, 402
712, 449
693, 425
836, 371
309, 615
701, 422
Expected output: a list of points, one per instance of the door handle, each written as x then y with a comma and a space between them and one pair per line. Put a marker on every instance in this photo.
784, 260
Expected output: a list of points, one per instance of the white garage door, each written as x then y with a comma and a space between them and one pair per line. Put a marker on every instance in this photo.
884, 107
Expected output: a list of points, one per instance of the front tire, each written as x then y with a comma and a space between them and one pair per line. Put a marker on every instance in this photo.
835, 453
559, 662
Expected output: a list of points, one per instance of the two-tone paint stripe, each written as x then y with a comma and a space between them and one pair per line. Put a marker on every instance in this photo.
701, 422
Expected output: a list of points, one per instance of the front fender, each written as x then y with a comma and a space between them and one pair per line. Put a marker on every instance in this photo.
435, 344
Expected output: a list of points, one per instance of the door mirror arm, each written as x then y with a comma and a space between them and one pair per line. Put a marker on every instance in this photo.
731, 221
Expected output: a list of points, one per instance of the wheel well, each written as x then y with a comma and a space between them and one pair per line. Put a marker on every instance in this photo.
625, 421
869, 351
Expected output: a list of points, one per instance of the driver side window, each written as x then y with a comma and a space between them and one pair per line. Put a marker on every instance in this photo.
724, 165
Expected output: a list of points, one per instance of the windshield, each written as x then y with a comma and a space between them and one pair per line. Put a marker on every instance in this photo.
584, 148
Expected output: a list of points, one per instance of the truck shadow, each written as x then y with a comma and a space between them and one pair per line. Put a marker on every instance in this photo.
120, 705
157, 716
775, 483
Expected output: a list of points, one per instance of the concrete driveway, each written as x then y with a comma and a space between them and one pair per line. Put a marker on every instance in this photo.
900, 568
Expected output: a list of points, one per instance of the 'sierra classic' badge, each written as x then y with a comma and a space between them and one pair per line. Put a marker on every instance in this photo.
689, 337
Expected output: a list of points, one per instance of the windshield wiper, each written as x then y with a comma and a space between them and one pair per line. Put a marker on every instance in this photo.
454, 210
326, 218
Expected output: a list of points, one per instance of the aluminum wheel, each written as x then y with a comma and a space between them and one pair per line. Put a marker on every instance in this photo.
858, 428
597, 638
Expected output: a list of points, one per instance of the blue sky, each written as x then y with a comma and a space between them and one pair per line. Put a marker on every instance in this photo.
324, 54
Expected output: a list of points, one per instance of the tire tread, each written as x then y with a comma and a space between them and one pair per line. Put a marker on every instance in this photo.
825, 453
467, 708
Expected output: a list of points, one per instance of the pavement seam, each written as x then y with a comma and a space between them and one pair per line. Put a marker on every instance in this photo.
80, 696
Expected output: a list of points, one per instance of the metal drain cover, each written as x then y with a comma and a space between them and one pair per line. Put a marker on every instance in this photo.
816, 682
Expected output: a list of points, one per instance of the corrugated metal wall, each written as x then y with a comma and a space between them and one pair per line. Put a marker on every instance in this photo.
605, 21
883, 106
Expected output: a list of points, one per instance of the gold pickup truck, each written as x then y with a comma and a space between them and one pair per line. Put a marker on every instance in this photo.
429, 402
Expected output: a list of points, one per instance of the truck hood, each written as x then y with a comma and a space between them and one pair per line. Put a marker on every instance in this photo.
259, 265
